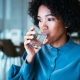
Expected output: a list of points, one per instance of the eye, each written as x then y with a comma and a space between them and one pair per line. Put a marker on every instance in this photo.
50, 19
39, 20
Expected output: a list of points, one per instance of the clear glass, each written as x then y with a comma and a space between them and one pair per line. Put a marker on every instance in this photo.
38, 41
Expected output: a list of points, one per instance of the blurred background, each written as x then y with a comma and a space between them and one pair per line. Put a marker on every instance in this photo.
14, 23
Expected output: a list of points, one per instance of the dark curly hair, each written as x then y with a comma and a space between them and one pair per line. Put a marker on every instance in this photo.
69, 10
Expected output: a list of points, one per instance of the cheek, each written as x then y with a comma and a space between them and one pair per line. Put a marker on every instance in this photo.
56, 29
53, 28
40, 27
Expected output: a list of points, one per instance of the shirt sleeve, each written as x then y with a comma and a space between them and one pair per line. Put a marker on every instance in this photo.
25, 72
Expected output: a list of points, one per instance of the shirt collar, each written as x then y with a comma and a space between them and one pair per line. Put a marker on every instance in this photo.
65, 47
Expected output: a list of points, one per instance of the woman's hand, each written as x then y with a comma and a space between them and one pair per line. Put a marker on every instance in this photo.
30, 50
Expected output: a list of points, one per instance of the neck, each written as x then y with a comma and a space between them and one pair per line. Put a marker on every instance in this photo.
60, 42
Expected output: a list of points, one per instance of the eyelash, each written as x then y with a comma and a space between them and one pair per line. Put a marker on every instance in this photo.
39, 20
49, 19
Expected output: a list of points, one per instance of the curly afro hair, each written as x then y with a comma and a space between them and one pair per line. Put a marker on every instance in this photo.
69, 10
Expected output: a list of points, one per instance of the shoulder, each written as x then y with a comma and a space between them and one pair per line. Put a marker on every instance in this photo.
75, 51
77, 46
73, 44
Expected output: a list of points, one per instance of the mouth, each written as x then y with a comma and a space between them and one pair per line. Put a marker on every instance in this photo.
44, 31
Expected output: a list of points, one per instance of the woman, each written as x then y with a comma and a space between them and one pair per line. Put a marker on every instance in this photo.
59, 57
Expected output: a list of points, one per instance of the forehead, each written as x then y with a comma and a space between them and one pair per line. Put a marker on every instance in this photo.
43, 10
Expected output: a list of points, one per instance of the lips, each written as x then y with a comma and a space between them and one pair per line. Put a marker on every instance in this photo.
44, 32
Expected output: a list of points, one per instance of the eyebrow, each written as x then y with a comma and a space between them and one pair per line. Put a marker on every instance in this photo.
46, 15
49, 15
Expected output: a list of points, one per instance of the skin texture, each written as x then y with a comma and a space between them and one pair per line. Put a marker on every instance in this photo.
69, 10
55, 28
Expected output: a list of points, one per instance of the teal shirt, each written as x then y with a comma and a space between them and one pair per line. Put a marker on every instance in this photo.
50, 63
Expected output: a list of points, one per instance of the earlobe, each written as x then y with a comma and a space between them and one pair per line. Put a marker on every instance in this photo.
66, 27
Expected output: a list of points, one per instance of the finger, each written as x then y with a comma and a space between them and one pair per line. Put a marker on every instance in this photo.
28, 37
27, 42
32, 28
26, 45
30, 33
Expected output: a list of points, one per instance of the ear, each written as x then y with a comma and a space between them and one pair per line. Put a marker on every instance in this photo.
66, 27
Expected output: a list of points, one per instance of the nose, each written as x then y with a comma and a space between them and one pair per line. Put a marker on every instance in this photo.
44, 26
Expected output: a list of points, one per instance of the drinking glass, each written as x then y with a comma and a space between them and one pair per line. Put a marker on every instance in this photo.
39, 38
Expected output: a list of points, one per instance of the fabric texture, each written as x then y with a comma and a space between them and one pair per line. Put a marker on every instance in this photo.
50, 63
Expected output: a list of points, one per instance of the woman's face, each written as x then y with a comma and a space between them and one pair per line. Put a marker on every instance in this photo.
54, 26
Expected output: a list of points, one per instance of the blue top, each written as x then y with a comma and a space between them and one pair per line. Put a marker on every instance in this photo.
50, 63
